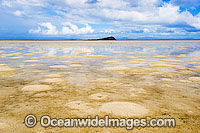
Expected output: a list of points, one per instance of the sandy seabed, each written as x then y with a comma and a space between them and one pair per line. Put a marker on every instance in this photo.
122, 79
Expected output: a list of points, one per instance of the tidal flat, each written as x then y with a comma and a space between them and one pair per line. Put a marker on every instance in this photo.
122, 79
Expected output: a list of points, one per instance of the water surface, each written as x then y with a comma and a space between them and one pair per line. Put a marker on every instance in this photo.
162, 76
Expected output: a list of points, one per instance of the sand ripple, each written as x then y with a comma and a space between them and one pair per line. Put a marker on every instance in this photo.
58, 66
53, 81
125, 109
6, 69
36, 88
194, 79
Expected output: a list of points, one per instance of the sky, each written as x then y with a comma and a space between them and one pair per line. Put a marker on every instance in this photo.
91, 19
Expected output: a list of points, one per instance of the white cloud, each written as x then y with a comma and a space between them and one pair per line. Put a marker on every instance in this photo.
168, 14
113, 4
146, 30
50, 29
195, 22
18, 13
76, 3
7, 3
148, 3
123, 12
35, 31
31, 2
70, 28
124, 15
47, 29
67, 29
14, 3
165, 14
109, 31
149, 16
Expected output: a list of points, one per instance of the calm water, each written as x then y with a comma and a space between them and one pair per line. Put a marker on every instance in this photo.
56, 53
162, 77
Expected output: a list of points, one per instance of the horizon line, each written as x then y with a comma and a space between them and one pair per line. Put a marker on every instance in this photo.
102, 40
90, 39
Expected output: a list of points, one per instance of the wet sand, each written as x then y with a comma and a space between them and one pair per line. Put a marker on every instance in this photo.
71, 79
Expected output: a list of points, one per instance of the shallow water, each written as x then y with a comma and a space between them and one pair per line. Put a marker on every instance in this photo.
163, 77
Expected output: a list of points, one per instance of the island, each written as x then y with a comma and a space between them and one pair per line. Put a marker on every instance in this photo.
107, 38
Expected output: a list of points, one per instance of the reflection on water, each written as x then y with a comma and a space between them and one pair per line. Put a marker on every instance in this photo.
15, 54
163, 77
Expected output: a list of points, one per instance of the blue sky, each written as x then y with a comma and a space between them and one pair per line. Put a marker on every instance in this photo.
89, 19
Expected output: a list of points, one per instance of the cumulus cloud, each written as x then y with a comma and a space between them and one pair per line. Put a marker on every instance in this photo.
112, 4
148, 3
122, 16
195, 22
123, 12
67, 29
18, 13
16, 3
47, 29
109, 31
31, 2
35, 31
76, 2
7, 3
50, 29
70, 28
